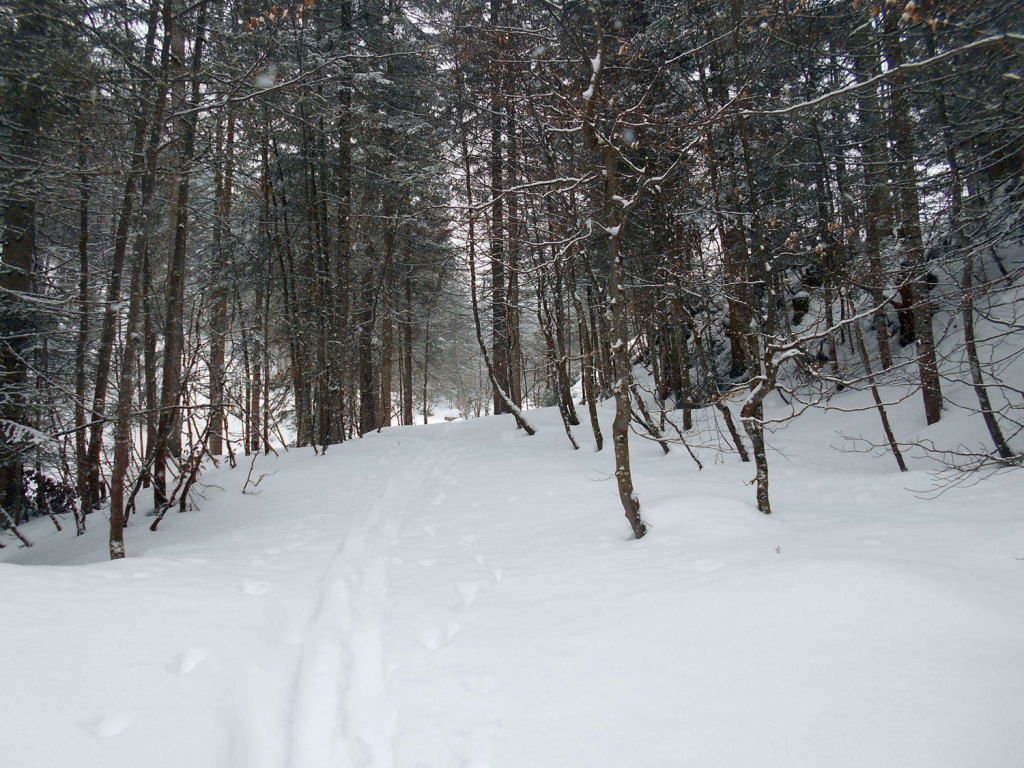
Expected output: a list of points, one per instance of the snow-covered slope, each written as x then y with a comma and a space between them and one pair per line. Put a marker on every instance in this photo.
463, 595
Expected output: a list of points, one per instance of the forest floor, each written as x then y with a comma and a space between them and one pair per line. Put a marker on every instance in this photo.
461, 595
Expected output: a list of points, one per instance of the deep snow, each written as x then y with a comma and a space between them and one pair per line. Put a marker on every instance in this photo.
462, 595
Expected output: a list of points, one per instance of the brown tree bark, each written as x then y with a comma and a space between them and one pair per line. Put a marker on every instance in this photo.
613, 227
619, 348
515, 235
886, 427
974, 362
219, 307
589, 384
369, 416
877, 203
256, 387
496, 167
387, 319
146, 122
508, 405
168, 427
81, 347
16, 273
343, 227
910, 223
123, 425
407, 402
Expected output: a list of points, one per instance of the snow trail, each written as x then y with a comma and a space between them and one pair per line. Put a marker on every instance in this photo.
341, 715
461, 596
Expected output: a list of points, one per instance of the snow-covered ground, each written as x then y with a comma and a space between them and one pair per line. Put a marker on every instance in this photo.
460, 594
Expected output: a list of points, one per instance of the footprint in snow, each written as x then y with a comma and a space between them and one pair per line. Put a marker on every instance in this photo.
481, 684
474, 747
706, 565
109, 726
426, 562
468, 591
435, 637
191, 659
438, 500
467, 539
253, 587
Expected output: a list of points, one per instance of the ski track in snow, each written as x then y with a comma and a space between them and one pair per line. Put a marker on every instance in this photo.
461, 596
341, 716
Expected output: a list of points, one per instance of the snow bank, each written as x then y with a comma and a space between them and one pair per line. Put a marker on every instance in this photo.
462, 595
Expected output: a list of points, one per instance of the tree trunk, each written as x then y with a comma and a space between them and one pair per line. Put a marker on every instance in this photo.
974, 362
886, 428
256, 388
499, 303
751, 415
123, 426
145, 122
508, 405
387, 320
219, 308
407, 402
81, 347
515, 230
169, 425
368, 405
619, 348
343, 227
589, 385
910, 221
16, 272
877, 204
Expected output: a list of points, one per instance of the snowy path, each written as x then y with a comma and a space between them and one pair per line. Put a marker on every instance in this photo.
461, 596
341, 714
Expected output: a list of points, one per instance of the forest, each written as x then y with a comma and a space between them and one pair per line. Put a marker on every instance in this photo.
231, 226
